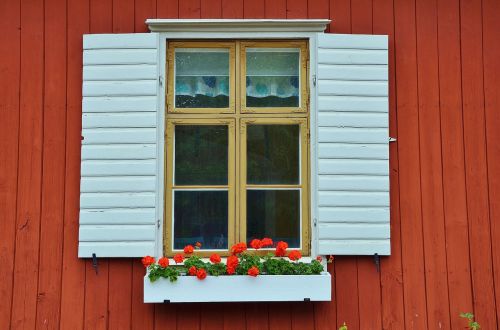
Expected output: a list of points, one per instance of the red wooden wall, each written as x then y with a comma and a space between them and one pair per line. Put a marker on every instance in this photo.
445, 171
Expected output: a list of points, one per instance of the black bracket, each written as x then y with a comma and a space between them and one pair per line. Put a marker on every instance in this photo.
94, 263
376, 260
307, 299
166, 301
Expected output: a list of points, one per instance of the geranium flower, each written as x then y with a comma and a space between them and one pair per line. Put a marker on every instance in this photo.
148, 260
253, 271
232, 261
198, 245
215, 258
163, 262
266, 242
238, 248
230, 270
256, 244
192, 270
319, 258
281, 249
294, 255
178, 258
188, 249
201, 274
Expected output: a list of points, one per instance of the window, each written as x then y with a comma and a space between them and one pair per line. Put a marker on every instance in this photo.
237, 144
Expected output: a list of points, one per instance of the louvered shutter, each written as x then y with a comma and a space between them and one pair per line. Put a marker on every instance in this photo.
353, 153
119, 148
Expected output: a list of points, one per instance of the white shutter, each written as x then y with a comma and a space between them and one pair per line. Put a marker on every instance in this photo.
352, 194
119, 149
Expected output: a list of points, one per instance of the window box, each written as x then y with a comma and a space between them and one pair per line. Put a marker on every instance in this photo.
239, 288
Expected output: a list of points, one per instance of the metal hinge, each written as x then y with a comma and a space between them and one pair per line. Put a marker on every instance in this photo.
158, 223
160, 80
95, 265
314, 80
391, 139
315, 221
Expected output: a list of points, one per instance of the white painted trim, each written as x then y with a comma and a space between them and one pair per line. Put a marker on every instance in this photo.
239, 288
237, 25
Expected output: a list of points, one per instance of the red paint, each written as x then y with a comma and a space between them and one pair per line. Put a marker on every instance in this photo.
445, 172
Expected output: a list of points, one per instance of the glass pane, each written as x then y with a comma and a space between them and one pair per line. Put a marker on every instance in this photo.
201, 154
273, 154
201, 78
274, 214
200, 216
272, 77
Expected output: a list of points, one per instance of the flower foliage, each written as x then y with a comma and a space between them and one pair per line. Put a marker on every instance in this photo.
240, 262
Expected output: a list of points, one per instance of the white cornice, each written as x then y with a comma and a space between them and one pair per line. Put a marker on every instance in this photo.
237, 25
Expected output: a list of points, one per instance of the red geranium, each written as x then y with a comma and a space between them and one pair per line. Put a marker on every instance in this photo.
178, 258
148, 260
188, 249
201, 274
192, 270
232, 261
256, 244
266, 242
215, 258
230, 270
163, 262
294, 255
198, 245
281, 249
238, 248
253, 271
319, 258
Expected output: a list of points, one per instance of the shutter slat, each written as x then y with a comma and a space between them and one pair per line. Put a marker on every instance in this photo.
352, 192
119, 179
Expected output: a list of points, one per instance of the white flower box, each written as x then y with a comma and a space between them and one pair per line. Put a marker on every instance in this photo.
239, 288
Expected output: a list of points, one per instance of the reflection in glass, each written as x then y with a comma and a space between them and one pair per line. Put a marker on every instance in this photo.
272, 77
201, 78
201, 216
273, 154
201, 154
274, 214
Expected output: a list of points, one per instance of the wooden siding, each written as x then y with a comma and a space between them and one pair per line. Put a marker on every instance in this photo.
445, 171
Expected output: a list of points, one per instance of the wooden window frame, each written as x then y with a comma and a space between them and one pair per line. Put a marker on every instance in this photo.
237, 122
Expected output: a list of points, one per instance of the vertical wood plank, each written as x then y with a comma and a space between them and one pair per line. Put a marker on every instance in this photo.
491, 67
211, 8
234, 316
254, 8
302, 315
296, 9
53, 175
210, 317
325, 313
166, 317
431, 166
275, 8
9, 131
232, 8
96, 295
143, 317
318, 8
120, 294
455, 202
361, 16
340, 14
188, 316
189, 9
167, 8
101, 13
123, 16
30, 167
370, 309
346, 278
144, 9
391, 276
280, 316
257, 316
409, 160
73, 271
476, 163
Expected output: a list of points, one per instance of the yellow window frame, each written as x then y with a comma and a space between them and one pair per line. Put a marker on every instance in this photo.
237, 119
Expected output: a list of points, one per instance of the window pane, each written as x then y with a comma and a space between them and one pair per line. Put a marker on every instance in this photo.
272, 77
274, 214
273, 154
200, 216
201, 78
201, 154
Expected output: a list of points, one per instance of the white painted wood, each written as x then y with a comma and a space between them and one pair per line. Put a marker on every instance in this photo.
194, 26
352, 150
112, 233
352, 145
127, 249
119, 170
116, 216
239, 288
350, 231
118, 151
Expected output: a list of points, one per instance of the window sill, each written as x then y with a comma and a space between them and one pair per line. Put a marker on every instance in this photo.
239, 288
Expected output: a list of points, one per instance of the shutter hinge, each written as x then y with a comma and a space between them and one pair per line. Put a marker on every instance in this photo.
391, 139
376, 261
314, 80
315, 222
94, 263
160, 80
158, 223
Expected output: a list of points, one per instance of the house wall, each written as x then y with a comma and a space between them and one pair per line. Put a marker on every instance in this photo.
445, 171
